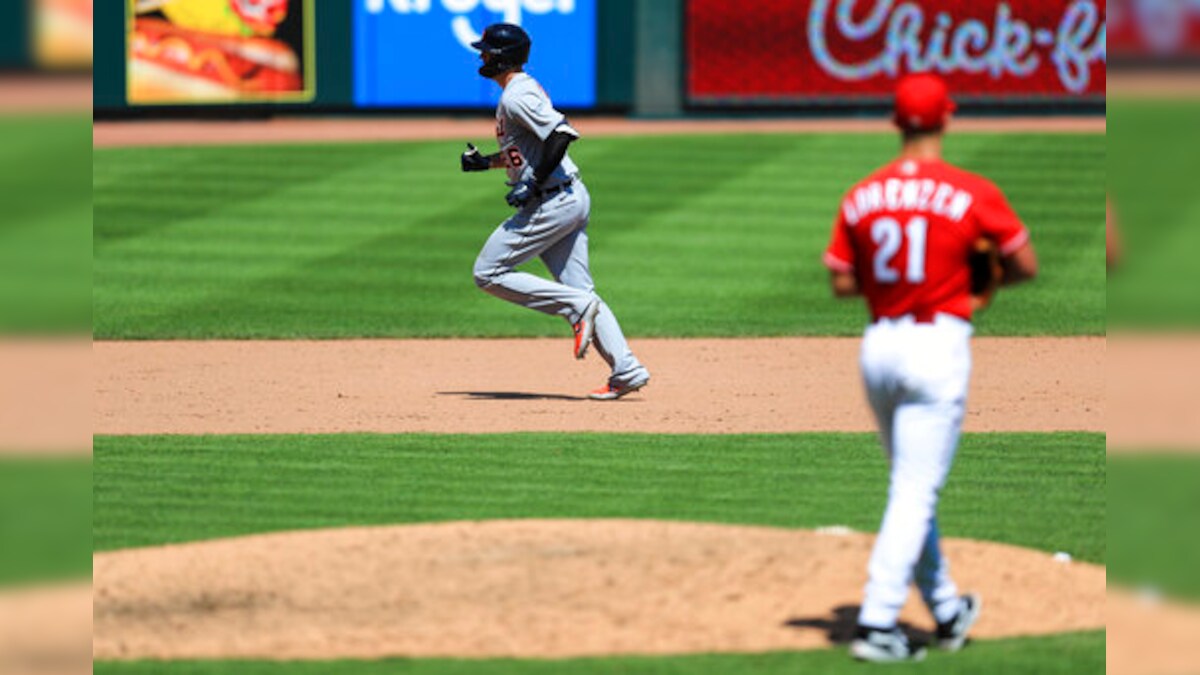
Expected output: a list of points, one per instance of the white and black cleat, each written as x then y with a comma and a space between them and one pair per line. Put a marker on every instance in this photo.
884, 646
952, 635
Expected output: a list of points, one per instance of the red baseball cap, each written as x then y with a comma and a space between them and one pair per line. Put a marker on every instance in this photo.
923, 102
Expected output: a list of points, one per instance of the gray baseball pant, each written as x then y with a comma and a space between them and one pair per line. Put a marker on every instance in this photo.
555, 230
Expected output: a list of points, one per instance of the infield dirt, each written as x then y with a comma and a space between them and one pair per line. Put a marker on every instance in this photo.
493, 386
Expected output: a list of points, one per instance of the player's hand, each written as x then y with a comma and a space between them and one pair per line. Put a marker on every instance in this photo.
521, 194
472, 160
987, 273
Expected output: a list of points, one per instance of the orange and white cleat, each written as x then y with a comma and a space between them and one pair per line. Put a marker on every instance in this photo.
585, 329
612, 391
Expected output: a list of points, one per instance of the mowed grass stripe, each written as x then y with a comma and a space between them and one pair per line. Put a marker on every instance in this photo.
691, 236
45, 519
1154, 504
1044, 491
1059, 654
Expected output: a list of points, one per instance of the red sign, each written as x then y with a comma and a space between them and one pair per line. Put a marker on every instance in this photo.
797, 50
1155, 28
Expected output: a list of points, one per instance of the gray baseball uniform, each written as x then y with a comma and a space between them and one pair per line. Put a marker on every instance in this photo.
553, 227
525, 118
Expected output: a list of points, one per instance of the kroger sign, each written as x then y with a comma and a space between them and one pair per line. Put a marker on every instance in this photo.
417, 53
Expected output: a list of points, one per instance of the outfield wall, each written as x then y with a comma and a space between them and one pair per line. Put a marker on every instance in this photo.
344, 44
651, 58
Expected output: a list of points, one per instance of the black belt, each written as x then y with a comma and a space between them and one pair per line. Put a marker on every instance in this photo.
551, 191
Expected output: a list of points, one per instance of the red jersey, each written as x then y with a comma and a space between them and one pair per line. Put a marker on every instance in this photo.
906, 233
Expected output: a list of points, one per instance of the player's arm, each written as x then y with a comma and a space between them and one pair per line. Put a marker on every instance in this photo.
1019, 266
554, 151
839, 259
1001, 225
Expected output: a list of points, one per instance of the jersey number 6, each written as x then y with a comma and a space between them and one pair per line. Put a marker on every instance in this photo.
515, 160
886, 232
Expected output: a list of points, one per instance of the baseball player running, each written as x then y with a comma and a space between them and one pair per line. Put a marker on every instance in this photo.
552, 215
903, 239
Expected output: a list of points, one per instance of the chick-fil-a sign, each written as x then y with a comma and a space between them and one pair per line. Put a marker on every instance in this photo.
811, 49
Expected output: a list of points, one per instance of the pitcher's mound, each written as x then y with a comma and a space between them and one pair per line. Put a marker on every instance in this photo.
540, 589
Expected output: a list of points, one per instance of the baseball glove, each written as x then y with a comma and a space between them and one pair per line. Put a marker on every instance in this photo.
986, 273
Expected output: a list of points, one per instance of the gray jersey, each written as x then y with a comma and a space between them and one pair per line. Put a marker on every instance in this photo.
525, 118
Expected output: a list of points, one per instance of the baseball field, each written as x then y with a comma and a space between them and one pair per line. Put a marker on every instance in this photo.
321, 449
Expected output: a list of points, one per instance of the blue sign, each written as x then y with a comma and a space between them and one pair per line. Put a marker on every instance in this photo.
417, 53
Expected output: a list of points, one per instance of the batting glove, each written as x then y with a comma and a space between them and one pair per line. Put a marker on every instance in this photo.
473, 161
521, 194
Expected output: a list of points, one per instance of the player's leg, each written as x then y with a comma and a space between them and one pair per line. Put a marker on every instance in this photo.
878, 638
879, 380
517, 241
926, 426
568, 260
932, 576
923, 446
954, 614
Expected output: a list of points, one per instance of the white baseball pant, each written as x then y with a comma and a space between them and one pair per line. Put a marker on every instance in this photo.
916, 376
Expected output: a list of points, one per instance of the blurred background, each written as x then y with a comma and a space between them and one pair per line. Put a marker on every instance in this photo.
45, 324
1154, 330
645, 57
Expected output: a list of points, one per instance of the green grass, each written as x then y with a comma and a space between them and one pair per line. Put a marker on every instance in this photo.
45, 235
1154, 156
1154, 505
691, 236
45, 519
1044, 491
1072, 653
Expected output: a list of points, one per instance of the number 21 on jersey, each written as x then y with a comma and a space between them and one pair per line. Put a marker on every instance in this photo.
888, 235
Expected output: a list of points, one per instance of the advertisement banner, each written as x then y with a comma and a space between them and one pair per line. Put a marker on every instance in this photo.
220, 51
62, 34
417, 53
1161, 29
780, 51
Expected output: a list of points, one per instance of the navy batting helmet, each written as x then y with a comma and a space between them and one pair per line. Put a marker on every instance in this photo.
503, 47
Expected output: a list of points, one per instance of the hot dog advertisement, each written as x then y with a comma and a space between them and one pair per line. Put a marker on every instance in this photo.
62, 34
220, 51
